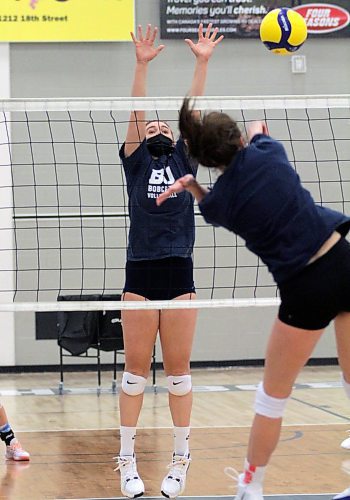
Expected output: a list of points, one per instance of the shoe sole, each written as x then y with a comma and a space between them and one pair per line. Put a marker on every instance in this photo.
168, 496
135, 496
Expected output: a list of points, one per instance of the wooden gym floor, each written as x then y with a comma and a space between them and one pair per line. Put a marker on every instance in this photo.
72, 438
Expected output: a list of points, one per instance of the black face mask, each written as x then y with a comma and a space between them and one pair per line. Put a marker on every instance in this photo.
159, 145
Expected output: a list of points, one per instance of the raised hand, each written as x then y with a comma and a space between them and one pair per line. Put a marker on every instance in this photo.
206, 44
258, 127
144, 45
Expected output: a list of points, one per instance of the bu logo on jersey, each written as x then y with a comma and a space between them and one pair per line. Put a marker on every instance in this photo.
159, 181
162, 176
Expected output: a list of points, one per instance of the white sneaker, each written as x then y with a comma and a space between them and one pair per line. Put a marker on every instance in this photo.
131, 485
343, 495
16, 452
175, 481
248, 491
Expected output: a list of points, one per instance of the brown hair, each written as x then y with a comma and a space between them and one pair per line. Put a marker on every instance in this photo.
214, 140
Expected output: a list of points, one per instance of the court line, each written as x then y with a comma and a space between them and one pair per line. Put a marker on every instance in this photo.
320, 408
116, 428
74, 391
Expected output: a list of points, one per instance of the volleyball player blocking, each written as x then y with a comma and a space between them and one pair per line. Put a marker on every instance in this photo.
159, 266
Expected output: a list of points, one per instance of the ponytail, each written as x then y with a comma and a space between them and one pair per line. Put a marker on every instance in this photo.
214, 140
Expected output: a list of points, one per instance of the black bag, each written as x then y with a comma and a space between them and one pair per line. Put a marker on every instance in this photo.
77, 330
110, 336
80, 330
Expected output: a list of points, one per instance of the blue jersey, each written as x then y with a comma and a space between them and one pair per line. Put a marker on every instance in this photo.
168, 230
260, 198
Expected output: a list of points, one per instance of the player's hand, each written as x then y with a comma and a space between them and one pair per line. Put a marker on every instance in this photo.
206, 44
179, 185
255, 128
144, 45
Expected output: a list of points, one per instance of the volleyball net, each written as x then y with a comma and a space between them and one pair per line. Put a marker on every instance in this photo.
64, 208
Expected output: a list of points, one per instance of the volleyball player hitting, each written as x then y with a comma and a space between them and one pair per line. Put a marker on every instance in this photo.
259, 197
159, 267
14, 450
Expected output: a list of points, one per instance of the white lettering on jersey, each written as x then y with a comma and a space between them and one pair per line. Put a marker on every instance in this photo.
161, 177
159, 181
154, 195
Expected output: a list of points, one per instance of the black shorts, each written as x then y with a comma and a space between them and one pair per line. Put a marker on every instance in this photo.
161, 279
316, 295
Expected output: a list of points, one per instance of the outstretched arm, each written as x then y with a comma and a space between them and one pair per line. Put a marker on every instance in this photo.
203, 50
145, 51
185, 183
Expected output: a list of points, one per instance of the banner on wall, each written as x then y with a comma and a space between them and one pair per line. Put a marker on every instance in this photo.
66, 20
242, 18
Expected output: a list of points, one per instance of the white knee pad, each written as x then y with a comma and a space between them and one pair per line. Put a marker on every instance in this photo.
267, 405
179, 385
133, 385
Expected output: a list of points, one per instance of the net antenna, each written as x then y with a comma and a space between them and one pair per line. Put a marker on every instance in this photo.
63, 201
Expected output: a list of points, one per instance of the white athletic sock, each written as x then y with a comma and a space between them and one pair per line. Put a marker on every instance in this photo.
127, 440
346, 386
181, 439
253, 474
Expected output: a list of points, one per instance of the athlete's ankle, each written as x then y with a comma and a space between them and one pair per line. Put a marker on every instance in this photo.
253, 473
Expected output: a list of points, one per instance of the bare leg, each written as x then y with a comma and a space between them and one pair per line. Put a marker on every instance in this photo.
3, 416
342, 334
139, 331
288, 350
176, 333
177, 327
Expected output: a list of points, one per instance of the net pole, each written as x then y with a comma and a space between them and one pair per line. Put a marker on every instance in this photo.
7, 319
7, 252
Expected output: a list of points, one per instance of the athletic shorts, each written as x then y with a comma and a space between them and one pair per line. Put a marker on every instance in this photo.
161, 279
315, 296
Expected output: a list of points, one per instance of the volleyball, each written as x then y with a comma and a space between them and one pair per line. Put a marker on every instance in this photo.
283, 31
